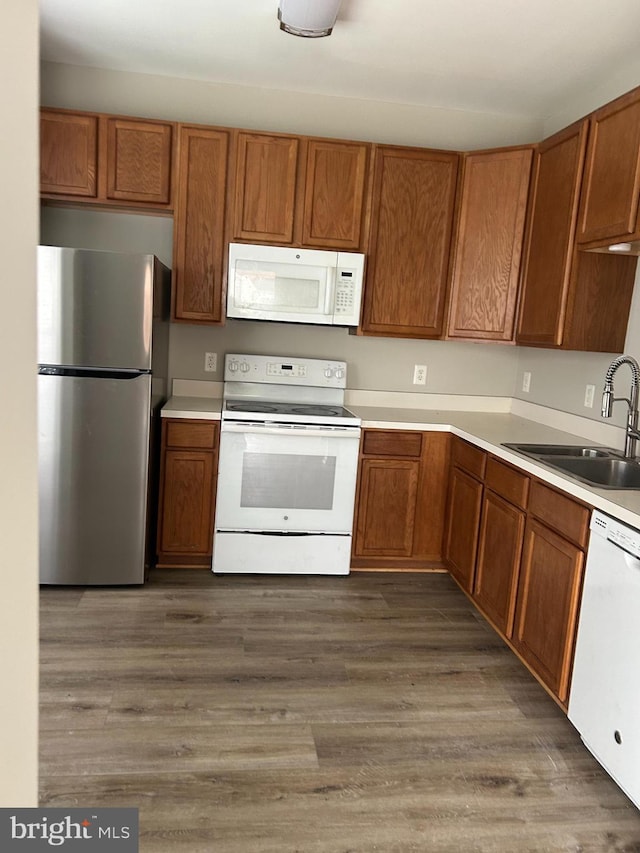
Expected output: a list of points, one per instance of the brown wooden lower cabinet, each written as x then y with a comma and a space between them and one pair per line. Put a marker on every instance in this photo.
526, 573
461, 540
400, 500
187, 492
548, 602
501, 534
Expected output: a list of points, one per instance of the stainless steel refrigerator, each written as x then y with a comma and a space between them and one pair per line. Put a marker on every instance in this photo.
103, 337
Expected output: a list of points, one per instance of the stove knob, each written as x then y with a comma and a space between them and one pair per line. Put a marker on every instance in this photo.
328, 372
233, 366
340, 373
244, 367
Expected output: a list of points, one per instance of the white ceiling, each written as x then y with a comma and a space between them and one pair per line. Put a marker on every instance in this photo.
524, 57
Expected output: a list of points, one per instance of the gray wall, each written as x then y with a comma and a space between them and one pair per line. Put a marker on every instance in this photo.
264, 109
18, 447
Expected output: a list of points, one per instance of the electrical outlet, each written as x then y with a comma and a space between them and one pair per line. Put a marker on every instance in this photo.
210, 362
419, 374
589, 392
526, 381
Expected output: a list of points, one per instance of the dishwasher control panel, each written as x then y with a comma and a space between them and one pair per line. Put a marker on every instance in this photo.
617, 533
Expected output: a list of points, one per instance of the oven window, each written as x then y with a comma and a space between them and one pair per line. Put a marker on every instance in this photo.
287, 481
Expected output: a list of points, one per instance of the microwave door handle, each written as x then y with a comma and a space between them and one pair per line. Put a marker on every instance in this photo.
330, 299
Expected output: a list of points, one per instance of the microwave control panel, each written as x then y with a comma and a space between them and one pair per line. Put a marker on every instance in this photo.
345, 291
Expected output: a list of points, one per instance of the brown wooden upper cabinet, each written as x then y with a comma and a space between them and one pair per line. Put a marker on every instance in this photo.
265, 187
199, 247
139, 161
335, 195
107, 160
609, 211
488, 244
570, 299
299, 191
68, 154
409, 242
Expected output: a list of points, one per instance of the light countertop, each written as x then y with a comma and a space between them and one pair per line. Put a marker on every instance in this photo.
487, 430
199, 408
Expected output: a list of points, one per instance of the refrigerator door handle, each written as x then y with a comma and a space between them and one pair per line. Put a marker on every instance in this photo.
90, 372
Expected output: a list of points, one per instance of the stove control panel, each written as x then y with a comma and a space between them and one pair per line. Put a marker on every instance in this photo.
289, 368
281, 370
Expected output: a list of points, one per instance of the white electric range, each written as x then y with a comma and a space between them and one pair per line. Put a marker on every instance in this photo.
287, 468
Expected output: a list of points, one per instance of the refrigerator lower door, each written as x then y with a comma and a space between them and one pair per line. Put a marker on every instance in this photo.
93, 477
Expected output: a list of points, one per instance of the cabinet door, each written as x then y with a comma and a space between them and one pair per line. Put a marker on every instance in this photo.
335, 194
139, 156
488, 244
199, 225
556, 178
187, 512
265, 187
547, 606
501, 537
385, 515
461, 538
410, 240
68, 154
612, 174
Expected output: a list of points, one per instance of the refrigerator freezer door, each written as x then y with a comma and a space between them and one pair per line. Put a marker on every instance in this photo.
93, 443
95, 308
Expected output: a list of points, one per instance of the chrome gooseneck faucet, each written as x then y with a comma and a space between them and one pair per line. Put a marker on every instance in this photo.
632, 434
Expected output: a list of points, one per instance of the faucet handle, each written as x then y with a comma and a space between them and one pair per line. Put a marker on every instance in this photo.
607, 401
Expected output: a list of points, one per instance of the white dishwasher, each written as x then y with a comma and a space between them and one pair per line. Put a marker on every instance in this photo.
604, 702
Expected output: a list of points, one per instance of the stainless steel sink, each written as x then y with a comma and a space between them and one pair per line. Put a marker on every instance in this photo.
603, 467
604, 473
538, 450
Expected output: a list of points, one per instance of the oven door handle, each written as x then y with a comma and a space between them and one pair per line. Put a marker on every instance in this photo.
336, 432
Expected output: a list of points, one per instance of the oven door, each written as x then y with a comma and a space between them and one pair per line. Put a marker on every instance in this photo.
287, 478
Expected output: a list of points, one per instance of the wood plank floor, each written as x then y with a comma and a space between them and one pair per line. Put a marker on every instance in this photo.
248, 714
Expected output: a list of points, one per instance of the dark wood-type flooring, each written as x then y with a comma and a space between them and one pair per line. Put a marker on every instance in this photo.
249, 714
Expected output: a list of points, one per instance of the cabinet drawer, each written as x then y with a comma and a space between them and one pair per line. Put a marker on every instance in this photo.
198, 434
561, 513
392, 443
510, 484
469, 458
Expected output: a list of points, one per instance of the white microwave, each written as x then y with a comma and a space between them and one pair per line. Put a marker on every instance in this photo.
294, 285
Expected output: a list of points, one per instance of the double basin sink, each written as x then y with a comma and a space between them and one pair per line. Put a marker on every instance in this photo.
602, 467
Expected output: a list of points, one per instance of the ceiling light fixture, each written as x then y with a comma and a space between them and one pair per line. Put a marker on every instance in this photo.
308, 18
